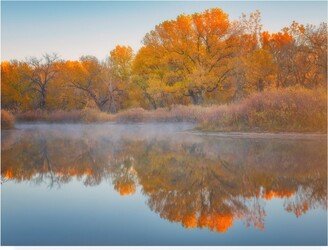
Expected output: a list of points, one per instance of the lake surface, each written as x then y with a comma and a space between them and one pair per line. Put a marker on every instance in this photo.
154, 184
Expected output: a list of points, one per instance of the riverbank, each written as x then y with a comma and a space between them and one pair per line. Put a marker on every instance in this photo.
288, 110
7, 120
262, 135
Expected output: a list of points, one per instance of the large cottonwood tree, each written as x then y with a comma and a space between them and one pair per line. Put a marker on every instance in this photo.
190, 55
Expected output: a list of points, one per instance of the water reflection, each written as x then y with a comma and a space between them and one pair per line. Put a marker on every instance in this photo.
199, 182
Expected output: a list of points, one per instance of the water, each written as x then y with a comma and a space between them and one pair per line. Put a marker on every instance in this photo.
154, 184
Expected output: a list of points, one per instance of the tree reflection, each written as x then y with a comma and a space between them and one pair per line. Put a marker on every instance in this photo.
204, 183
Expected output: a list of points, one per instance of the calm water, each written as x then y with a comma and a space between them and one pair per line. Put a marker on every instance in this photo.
154, 184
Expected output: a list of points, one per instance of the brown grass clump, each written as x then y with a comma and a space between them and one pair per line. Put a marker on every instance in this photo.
72, 116
175, 114
91, 115
7, 119
297, 110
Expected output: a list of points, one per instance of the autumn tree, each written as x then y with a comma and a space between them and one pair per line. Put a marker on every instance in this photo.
255, 68
300, 53
149, 70
189, 56
202, 58
61, 94
14, 88
85, 76
42, 72
105, 83
260, 70
118, 75
311, 58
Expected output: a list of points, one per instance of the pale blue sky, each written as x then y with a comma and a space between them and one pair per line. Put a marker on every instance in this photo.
72, 29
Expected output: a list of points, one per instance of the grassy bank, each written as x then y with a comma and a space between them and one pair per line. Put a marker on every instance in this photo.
175, 114
288, 110
58, 116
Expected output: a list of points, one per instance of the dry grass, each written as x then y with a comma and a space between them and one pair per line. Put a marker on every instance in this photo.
175, 114
297, 110
73, 116
91, 115
7, 119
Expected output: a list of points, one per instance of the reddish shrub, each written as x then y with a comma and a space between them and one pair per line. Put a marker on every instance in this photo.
7, 120
278, 110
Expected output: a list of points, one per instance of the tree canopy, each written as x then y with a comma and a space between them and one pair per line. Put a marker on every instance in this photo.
202, 58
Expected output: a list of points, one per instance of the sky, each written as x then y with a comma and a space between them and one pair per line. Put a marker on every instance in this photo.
73, 29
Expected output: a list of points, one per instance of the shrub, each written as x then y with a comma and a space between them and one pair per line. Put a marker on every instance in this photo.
91, 115
31, 116
300, 110
174, 114
7, 120
72, 116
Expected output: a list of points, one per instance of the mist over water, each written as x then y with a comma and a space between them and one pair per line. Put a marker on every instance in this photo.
159, 184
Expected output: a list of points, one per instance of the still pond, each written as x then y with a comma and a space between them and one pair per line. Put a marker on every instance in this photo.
160, 184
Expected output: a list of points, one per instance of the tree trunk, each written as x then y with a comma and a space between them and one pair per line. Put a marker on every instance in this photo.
42, 104
112, 105
196, 97
260, 85
101, 106
151, 100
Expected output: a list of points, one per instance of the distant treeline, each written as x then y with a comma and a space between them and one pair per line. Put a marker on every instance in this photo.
203, 58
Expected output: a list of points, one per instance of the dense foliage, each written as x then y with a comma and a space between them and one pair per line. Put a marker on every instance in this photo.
203, 58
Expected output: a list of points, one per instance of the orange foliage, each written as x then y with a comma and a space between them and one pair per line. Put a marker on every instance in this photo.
121, 55
189, 220
270, 194
216, 222
277, 40
125, 188
8, 174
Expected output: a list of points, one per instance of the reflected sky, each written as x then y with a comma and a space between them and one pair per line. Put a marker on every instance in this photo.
154, 184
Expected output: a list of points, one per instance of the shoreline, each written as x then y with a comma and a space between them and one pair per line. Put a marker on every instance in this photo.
261, 135
195, 131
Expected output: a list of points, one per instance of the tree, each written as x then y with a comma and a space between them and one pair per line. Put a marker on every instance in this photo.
191, 55
260, 70
104, 83
250, 56
14, 88
42, 72
118, 75
85, 75
149, 70
300, 53
312, 52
